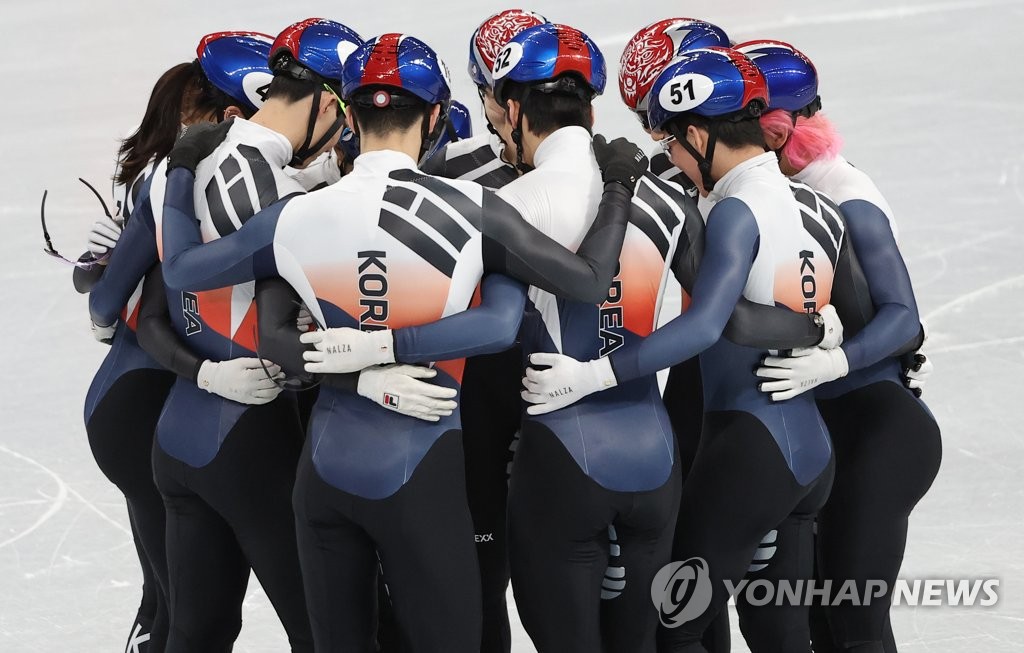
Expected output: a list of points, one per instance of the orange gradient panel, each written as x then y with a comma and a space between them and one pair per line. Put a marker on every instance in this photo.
793, 286
640, 271
245, 335
215, 310
452, 368
416, 294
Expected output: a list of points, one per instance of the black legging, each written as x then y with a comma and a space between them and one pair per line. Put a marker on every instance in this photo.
739, 489
120, 433
227, 517
558, 549
422, 539
888, 449
684, 402
490, 408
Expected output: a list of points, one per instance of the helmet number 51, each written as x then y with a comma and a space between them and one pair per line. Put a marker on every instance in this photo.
677, 88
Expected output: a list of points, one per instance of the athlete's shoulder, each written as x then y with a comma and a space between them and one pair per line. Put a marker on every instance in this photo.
476, 159
480, 145
662, 167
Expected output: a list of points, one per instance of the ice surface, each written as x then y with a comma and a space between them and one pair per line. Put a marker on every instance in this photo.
930, 98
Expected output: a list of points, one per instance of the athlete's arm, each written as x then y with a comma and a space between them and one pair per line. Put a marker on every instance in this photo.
277, 308
514, 247
731, 242
84, 279
135, 254
730, 245
155, 333
752, 324
245, 255
488, 328
484, 329
895, 323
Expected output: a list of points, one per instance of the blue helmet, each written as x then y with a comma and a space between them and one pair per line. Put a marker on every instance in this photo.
792, 78
314, 49
236, 63
458, 127
400, 62
461, 122
710, 82
548, 57
492, 36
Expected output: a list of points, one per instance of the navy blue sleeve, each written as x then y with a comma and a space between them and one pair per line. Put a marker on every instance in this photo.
730, 243
156, 334
188, 263
134, 254
896, 320
485, 329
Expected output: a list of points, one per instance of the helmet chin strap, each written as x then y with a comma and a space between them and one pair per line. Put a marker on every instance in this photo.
517, 135
430, 136
703, 161
307, 150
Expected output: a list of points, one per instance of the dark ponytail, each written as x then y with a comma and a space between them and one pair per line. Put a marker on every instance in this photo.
183, 94
161, 123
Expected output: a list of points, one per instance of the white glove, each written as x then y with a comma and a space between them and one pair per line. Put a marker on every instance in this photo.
340, 350
304, 318
565, 382
240, 379
103, 236
104, 334
398, 388
803, 370
916, 376
833, 328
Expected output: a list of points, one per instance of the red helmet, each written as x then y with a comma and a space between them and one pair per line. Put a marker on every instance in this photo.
652, 48
491, 38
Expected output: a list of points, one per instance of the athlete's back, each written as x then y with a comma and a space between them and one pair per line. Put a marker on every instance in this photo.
243, 175
800, 235
385, 247
560, 197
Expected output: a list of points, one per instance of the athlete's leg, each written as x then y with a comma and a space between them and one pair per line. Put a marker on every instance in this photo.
888, 450
785, 560
739, 488
424, 534
250, 484
339, 565
207, 572
684, 401
558, 544
120, 431
645, 532
149, 632
821, 634
490, 410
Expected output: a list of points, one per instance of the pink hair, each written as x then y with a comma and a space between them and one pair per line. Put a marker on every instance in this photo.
812, 138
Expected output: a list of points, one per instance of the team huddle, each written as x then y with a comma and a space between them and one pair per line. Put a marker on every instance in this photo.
390, 365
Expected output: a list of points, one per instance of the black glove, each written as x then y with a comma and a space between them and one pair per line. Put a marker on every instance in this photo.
620, 161
198, 143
